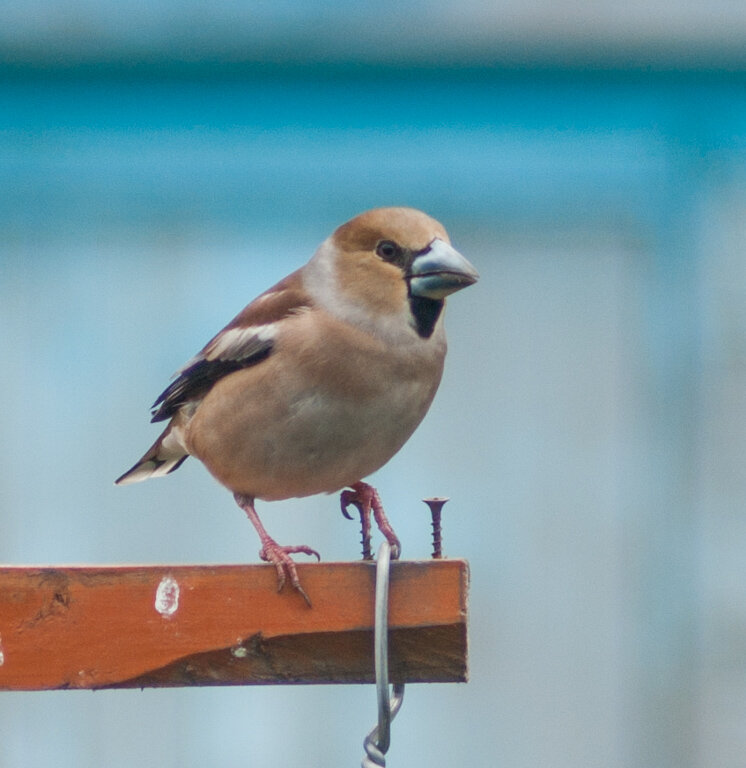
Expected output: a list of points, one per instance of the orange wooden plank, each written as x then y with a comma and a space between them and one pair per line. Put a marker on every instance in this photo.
163, 625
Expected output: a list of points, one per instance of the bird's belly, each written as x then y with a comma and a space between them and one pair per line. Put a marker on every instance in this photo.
309, 441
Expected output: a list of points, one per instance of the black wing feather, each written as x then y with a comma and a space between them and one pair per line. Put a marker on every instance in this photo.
197, 380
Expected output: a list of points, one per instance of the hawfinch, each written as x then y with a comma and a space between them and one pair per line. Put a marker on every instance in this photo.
323, 378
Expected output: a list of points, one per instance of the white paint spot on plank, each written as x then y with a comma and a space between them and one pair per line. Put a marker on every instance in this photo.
167, 596
2, 654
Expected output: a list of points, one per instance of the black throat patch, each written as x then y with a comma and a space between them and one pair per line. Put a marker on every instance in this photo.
425, 313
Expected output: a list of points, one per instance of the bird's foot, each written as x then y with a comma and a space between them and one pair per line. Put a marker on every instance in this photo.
272, 552
365, 497
279, 556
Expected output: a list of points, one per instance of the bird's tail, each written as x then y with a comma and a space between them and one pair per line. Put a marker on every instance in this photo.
165, 455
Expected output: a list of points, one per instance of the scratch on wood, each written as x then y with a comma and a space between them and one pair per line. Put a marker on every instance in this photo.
57, 603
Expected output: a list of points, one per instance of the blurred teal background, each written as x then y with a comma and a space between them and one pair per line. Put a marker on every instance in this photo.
161, 164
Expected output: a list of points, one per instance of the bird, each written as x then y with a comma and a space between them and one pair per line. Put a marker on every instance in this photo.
320, 380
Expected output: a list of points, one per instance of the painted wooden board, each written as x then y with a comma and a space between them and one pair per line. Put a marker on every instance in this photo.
164, 625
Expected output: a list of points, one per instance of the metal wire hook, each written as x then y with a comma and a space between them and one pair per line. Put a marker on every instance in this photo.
377, 742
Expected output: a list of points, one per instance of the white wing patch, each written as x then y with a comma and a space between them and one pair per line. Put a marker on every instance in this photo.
233, 344
236, 343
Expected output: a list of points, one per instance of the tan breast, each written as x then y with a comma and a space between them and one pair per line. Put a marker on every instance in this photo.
314, 417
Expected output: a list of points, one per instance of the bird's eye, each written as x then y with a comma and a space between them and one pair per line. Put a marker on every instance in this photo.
387, 250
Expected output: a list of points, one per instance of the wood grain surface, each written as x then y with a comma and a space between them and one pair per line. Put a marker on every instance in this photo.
177, 625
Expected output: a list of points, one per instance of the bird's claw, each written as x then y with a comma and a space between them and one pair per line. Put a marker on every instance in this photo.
279, 556
366, 499
346, 498
352, 498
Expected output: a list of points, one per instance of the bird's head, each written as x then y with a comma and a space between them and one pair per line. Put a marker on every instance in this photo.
390, 261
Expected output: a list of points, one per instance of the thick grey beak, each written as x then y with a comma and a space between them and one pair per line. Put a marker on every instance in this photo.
440, 271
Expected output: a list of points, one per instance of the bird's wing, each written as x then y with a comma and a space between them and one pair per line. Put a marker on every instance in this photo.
247, 340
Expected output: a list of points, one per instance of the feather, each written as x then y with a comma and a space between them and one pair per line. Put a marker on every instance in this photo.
246, 340
165, 455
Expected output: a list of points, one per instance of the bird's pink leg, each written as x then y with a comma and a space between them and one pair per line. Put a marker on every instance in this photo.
272, 552
365, 497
